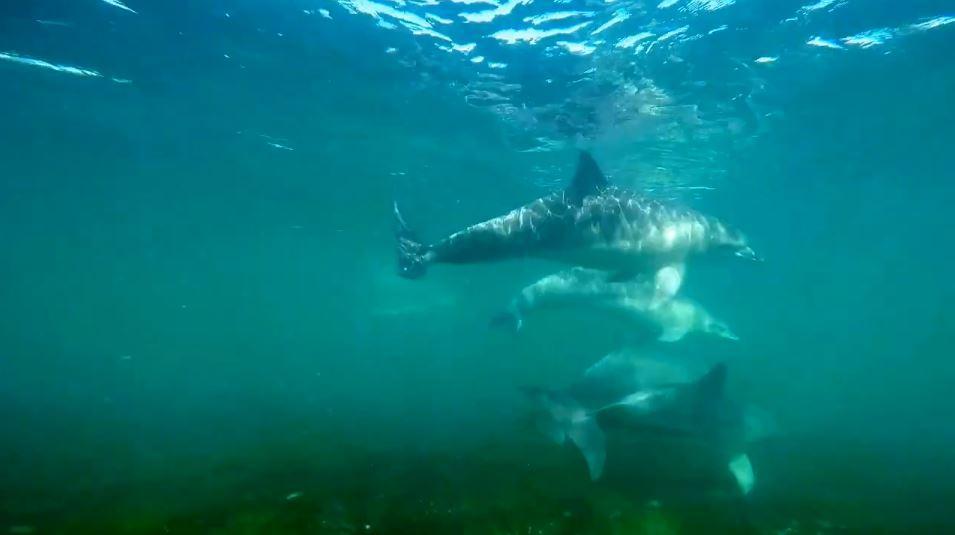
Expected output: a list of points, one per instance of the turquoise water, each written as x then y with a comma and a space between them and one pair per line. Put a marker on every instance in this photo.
201, 325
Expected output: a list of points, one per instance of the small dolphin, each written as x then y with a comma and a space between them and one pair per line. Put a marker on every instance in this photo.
591, 224
624, 394
648, 303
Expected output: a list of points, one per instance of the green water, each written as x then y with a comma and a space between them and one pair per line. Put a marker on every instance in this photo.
200, 333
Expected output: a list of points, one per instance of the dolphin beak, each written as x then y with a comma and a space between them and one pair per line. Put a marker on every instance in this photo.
724, 332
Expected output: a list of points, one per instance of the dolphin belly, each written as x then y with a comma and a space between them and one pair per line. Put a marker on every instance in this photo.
612, 258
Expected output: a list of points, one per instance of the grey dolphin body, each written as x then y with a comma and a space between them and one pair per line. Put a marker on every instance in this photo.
645, 302
626, 396
591, 223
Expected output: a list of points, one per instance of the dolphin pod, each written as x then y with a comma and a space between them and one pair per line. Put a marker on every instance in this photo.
627, 255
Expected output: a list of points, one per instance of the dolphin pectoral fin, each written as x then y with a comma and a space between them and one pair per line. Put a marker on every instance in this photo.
590, 441
672, 334
667, 283
588, 179
742, 470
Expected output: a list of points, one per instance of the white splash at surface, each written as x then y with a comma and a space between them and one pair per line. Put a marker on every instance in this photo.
824, 43
672, 33
534, 35
418, 30
496, 65
577, 49
556, 15
933, 23
119, 4
619, 16
869, 38
706, 5
376, 10
766, 59
464, 49
435, 18
665, 4
718, 29
33, 62
821, 4
491, 14
629, 41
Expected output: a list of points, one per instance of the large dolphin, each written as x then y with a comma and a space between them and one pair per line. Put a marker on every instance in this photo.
591, 223
646, 303
631, 395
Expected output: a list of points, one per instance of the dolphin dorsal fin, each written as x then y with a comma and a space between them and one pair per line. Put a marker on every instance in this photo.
707, 395
588, 179
711, 385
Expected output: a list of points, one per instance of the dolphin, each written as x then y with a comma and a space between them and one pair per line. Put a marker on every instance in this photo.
627, 395
590, 223
646, 302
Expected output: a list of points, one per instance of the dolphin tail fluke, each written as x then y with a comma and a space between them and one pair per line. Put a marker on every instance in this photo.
411, 253
560, 419
590, 441
742, 471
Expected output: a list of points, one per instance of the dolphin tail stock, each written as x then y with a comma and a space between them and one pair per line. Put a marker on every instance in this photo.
411, 253
562, 419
